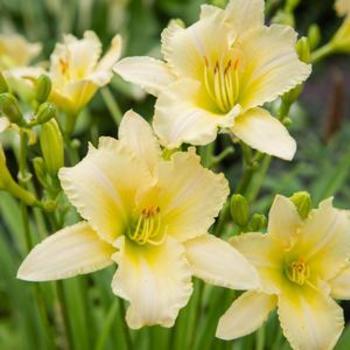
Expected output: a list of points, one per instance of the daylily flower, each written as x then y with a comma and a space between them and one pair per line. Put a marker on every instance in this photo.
77, 71
341, 40
16, 51
217, 73
303, 265
148, 215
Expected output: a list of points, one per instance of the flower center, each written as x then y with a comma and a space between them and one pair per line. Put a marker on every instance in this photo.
298, 272
148, 228
64, 66
221, 81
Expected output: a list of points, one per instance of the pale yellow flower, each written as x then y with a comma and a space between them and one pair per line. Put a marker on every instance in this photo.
148, 215
16, 51
216, 75
303, 265
77, 71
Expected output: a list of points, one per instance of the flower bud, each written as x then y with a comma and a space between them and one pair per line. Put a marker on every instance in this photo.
302, 201
39, 170
239, 210
10, 107
314, 36
303, 49
46, 112
257, 223
51, 143
3, 84
42, 88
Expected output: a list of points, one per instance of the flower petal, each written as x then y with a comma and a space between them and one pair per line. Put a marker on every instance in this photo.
186, 50
324, 240
72, 251
138, 135
309, 319
272, 68
111, 57
266, 254
246, 314
191, 196
245, 15
340, 285
103, 186
156, 280
179, 119
216, 262
284, 220
151, 74
260, 130
342, 7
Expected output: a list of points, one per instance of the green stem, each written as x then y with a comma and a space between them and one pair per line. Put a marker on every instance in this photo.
122, 311
321, 53
112, 105
64, 312
106, 328
260, 338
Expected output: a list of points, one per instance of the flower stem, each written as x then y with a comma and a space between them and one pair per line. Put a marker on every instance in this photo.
112, 105
321, 53
128, 339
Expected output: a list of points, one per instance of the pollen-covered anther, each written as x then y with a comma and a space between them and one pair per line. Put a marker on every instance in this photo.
148, 228
298, 272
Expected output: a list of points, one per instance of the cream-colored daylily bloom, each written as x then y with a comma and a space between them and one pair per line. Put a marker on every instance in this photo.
341, 40
217, 73
16, 51
77, 71
303, 266
148, 215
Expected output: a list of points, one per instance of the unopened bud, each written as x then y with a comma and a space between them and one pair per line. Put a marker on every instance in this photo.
46, 112
39, 170
303, 49
257, 223
239, 210
302, 201
3, 84
51, 143
42, 88
314, 36
10, 107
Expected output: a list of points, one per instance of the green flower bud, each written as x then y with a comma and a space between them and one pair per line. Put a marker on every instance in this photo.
39, 170
314, 36
51, 143
302, 201
3, 84
10, 107
42, 88
239, 210
46, 112
257, 223
341, 40
303, 49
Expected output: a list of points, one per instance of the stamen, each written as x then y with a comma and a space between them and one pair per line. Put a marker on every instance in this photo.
298, 272
148, 228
